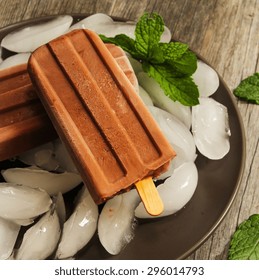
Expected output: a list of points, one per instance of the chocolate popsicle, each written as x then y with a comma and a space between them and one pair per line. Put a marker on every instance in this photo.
113, 139
24, 123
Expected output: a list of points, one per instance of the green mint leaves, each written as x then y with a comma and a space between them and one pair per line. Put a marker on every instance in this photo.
248, 89
148, 31
170, 64
244, 244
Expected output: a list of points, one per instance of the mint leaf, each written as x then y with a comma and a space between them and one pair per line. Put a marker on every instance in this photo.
173, 50
148, 32
181, 89
170, 64
244, 244
248, 89
179, 57
156, 55
125, 42
187, 64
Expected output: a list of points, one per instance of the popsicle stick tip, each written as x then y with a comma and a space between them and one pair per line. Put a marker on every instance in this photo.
150, 196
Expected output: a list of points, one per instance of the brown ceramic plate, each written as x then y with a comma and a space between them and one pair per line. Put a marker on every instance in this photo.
177, 236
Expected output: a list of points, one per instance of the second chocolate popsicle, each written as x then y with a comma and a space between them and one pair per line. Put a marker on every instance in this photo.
113, 139
24, 123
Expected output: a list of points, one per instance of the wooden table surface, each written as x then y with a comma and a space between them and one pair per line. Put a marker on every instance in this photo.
226, 33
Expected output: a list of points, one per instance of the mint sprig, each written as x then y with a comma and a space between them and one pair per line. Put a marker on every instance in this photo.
248, 89
148, 32
170, 64
244, 244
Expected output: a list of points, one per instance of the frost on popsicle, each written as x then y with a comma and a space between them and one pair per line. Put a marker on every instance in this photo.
29, 38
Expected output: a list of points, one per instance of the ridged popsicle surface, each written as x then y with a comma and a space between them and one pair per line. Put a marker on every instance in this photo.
24, 123
110, 134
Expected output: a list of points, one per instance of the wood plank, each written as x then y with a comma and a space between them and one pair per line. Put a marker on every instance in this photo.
226, 34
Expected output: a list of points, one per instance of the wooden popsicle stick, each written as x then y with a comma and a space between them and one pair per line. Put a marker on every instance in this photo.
150, 196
